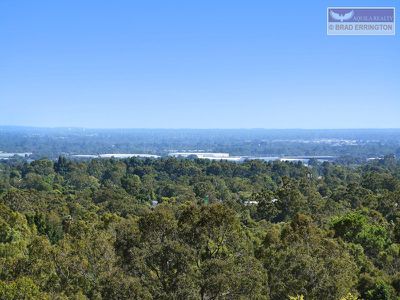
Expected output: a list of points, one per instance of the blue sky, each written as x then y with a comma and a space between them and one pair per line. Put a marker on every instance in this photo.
192, 64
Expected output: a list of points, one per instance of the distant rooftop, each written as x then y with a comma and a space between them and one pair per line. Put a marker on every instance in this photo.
115, 155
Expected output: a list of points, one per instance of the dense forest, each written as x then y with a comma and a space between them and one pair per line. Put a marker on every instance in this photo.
198, 229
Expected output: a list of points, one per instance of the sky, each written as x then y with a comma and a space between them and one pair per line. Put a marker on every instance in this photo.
192, 64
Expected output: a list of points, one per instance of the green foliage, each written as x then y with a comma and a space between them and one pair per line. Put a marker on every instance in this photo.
357, 228
89, 230
380, 291
315, 265
20, 289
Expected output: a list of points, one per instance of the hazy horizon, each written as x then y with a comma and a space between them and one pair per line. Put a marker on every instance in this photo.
193, 128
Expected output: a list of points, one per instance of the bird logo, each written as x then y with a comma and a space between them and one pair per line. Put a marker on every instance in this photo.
341, 17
